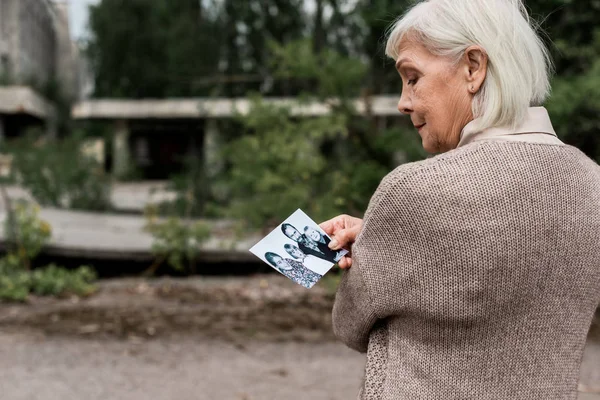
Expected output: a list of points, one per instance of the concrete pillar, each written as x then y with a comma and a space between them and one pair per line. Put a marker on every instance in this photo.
51, 126
2, 134
121, 152
213, 164
5, 159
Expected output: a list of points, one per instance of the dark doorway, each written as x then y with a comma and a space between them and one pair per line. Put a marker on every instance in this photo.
159, 148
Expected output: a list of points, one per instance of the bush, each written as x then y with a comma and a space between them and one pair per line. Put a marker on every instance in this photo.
175, 241
27, 232
59, 174
277, 167
190, 188
325, 165
53, 280
15, 281
26, 235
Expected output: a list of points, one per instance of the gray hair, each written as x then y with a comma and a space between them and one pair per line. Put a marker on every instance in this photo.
519, 65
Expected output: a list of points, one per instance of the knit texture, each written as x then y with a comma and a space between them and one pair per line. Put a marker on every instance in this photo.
476, 275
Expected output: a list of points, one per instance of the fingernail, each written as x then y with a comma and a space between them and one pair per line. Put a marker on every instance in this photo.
333, 245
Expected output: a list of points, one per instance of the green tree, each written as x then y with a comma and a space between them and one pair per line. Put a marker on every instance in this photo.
573, 36
160, 48
277, 166
276, 162
324, 165
249, 26
153, 48
377, 16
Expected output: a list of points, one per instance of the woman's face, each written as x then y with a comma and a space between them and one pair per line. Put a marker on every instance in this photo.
435, 94
281, 263
292, 233
313, 234
295, 252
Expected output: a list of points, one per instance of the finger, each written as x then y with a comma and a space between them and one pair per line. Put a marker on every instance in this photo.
343, 238
327, 226
343, 263
347, 262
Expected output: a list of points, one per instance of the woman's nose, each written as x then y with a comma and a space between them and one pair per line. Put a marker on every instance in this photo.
404, 104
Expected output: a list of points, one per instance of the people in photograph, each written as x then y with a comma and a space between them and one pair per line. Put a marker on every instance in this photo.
315, 235
293, 269
295, 252
475, 273
315, 264
309, 246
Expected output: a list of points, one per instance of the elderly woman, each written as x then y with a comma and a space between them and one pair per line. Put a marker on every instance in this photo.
475, 273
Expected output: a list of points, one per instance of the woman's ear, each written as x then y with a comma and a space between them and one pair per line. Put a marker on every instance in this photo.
475, 59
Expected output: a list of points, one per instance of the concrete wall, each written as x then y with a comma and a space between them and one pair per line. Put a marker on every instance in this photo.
29, 40
66, 51
35, 43
9, 38
38, 40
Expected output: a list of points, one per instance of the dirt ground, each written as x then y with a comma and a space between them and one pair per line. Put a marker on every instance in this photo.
268, 308
218, 338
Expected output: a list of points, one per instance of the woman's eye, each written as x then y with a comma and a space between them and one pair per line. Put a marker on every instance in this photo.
411, 82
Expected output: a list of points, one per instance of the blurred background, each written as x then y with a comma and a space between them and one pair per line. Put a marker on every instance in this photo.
146, 145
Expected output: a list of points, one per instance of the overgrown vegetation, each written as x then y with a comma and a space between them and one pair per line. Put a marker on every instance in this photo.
176, 241
272, 162
58, 173
325, 165
26, 235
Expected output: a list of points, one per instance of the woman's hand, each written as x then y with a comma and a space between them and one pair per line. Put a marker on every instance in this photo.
343, 230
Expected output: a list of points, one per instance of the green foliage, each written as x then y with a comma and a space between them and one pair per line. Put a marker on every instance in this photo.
160, 48
175, 241
153, 48
190, 188
329, 73
324, 165
575, 103
27, 234
278, 162
376, 17
59, 174
53, 280
277, 166
15, 281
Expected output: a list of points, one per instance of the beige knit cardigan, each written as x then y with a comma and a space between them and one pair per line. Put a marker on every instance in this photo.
476, 275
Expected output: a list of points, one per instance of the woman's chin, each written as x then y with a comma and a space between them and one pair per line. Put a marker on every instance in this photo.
428, 146
432, 146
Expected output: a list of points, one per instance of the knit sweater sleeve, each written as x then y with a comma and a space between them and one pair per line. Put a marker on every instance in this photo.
363, 296
353, 316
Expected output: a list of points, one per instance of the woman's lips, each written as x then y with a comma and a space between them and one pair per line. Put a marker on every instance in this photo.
419, 126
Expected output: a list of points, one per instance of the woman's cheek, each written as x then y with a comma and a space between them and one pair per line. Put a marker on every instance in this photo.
420, 104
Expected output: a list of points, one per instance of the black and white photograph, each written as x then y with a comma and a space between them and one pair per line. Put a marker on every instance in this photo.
298, 249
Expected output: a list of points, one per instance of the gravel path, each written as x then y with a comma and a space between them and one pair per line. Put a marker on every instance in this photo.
36, 367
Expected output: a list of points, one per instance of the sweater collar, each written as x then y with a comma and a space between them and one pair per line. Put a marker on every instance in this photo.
536, 128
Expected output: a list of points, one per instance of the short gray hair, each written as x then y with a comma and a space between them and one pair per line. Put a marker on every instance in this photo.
519, 65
